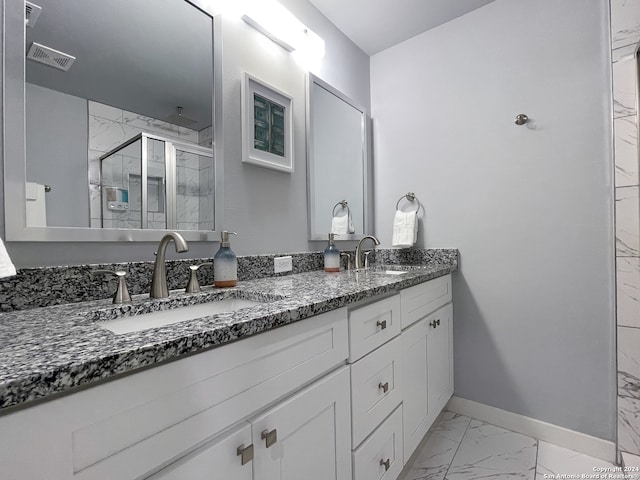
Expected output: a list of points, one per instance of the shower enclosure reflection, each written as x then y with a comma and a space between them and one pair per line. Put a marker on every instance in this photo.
151, 182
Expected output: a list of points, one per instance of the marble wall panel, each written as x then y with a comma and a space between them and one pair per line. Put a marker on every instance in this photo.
627, 222
628, 291
626, 151
629, 389
625, 23
624, 87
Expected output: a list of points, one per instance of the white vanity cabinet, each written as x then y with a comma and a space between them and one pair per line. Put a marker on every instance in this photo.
376, 389
176, 416
345, 395
213, 460
427, 357
305, 436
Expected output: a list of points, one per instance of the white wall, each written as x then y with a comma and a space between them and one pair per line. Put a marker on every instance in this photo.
529, 207
267, 208
57, 129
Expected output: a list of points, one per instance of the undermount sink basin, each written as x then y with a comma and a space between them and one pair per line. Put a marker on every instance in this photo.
161, 318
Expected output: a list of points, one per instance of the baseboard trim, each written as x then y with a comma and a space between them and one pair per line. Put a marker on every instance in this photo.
547, 432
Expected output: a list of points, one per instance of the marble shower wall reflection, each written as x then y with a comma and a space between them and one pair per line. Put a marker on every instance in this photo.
110, 127
625, 35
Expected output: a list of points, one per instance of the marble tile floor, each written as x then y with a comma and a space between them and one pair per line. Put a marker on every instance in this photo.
462, 448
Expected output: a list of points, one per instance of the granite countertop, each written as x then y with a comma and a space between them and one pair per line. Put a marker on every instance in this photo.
50, 350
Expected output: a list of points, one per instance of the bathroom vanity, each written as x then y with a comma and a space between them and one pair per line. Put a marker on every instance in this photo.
345, 388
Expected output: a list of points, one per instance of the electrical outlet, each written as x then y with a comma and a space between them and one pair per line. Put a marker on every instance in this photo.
282, 264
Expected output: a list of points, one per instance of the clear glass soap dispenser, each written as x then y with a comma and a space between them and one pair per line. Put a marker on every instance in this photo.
225, 263
331, 256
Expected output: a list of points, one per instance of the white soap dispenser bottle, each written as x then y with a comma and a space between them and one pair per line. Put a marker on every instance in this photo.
225, 263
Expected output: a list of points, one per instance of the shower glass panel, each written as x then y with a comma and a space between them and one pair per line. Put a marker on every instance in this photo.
120, 173
194, 190
151, 182
156, 184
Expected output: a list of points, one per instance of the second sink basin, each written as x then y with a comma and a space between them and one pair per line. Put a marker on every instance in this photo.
160, 318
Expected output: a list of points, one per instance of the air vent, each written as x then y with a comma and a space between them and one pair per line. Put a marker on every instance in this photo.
31, 13
49, 56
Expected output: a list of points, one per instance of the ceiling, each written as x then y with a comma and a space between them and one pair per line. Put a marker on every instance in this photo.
128, 55
375, 25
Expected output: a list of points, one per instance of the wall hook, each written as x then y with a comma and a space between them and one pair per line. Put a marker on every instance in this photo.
521, 119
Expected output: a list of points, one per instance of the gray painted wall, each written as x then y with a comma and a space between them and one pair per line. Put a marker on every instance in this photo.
267, 208
57, 128
529, 207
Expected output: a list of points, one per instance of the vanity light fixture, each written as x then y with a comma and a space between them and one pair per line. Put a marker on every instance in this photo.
277, 23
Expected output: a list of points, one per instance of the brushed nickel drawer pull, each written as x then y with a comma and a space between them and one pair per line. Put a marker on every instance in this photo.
384, 386
382, 324
270, 437
385, 463
245, 454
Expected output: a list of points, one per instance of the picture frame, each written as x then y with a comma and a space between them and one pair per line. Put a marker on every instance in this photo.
267, 125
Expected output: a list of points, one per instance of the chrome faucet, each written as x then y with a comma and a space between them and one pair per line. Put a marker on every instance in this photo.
359, 248
159, 287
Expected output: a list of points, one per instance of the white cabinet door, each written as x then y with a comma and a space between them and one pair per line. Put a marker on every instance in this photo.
427, 370
308, 435
220, 458
439, 359
415, 394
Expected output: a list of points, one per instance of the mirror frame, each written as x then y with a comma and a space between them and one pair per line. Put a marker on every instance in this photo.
14, 145
366, 164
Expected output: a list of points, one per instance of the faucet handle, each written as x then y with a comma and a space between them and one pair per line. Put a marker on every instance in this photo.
193, 286
348, 257
122, 293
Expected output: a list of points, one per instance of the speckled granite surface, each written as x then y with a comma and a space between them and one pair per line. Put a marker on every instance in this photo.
50, 350
47, 286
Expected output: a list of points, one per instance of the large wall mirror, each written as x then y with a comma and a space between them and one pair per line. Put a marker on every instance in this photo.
110, 120
338, 164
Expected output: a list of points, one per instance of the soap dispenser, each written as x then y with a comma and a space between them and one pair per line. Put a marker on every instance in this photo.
225, 263
331, 256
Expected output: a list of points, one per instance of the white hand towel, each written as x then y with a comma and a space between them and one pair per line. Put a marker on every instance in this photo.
340, 225
7, 269
405, 229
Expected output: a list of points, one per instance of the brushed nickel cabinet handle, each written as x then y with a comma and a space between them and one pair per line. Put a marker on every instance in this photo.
245, 454
270, 437
382, 324
384, 386
385, 463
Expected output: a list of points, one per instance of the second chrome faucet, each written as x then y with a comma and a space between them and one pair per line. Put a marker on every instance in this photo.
159, 288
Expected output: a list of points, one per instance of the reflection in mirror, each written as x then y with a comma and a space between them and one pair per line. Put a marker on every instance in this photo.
337, 164
118, 115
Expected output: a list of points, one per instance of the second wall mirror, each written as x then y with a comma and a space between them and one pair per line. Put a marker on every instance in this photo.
338, 163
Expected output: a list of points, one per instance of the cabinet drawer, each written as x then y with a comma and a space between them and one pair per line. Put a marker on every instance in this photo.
372, 325
376, 388
424, 298
233, 381
380, 456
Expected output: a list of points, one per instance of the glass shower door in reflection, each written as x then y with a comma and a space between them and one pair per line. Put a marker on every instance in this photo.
151, 182
194, 189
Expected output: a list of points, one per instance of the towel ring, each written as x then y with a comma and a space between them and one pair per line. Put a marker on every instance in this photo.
411, 197
344, 204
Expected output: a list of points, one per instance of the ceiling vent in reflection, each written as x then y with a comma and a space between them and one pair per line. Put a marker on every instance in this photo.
31, 13
49, 56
